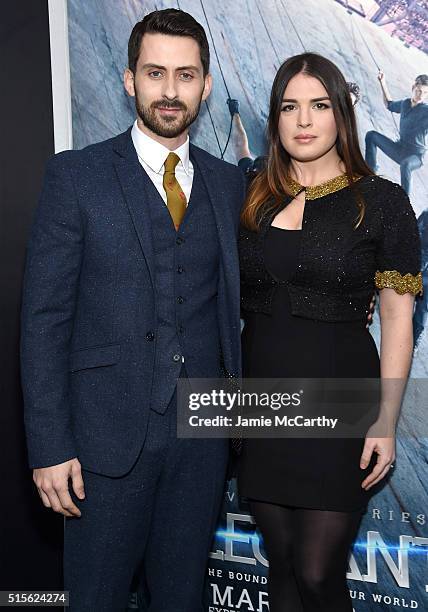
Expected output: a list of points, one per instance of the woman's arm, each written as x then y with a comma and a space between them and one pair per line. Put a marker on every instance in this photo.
396, 312
399, 280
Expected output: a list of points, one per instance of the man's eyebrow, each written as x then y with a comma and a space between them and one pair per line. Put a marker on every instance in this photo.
194, 68
158, 67
312, 100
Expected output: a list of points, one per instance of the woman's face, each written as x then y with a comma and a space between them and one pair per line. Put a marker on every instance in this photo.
307, 127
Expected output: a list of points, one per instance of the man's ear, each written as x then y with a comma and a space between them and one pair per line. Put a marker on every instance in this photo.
128, 82
208, 85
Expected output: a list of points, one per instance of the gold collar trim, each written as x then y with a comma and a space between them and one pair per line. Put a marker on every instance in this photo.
312, 192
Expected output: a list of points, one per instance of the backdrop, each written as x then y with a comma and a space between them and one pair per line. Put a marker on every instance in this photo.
30, 537
249, 39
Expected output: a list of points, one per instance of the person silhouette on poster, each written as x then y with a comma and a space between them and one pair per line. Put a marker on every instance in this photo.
409, 150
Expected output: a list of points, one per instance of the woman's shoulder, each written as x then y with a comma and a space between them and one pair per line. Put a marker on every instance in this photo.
382, 194
381, 186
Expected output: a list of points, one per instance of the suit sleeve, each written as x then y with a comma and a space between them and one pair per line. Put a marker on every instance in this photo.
53, 261
399, 249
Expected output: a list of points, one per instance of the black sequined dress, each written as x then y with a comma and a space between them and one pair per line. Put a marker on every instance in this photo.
276, 343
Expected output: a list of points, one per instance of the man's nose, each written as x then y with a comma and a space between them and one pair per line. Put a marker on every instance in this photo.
170, 87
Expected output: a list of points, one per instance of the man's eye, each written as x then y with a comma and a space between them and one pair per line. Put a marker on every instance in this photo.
186, 76
155, 74
287, 107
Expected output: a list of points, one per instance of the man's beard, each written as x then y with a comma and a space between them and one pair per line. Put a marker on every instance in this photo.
167, 126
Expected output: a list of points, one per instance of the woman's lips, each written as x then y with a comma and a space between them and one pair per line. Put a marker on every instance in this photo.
304, 138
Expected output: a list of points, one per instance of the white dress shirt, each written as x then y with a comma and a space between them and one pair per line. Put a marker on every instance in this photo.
152, 156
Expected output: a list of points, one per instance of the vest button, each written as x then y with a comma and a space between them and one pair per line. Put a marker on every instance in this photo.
176, 357
180, 269
180, 299
179, 240
150, 336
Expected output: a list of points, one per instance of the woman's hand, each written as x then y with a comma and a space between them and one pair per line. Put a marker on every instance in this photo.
371, 311
385, 449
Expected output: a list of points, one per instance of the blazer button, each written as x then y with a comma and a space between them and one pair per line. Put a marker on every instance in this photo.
176, 357
180, 269
180, 299
150, 336
179, 240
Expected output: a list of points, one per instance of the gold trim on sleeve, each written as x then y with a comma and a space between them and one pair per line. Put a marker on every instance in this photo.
407, 283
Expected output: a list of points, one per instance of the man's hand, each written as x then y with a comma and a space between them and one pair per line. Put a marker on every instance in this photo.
371, 311
385, 91
52, 486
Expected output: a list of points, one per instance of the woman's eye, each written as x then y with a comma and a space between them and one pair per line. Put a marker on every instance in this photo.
321, 105
318, 105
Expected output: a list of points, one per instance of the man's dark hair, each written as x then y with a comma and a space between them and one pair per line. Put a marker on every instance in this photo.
173, 23
422, 79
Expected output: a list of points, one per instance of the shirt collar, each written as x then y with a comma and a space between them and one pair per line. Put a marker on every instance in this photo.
154, 154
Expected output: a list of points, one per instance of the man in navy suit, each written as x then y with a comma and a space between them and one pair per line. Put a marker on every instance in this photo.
131, 283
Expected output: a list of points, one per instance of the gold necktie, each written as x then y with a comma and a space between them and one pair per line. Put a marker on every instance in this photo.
176, 200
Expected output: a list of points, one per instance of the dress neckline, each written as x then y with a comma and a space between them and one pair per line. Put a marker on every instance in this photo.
285, 229
312, 192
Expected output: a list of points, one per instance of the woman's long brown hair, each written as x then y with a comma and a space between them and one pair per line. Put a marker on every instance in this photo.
269, 186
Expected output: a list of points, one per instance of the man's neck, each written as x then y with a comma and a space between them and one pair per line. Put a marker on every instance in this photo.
170, 143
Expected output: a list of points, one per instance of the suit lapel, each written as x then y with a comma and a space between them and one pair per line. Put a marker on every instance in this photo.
132, 180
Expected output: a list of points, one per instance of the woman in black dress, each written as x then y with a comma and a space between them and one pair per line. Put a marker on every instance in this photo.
320, 232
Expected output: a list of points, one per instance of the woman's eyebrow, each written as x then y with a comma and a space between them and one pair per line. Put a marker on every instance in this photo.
312, 99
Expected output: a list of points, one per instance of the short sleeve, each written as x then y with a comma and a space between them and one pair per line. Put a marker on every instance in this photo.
394, 106
398, 256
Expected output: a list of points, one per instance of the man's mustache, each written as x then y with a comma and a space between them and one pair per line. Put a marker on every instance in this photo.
169, 104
